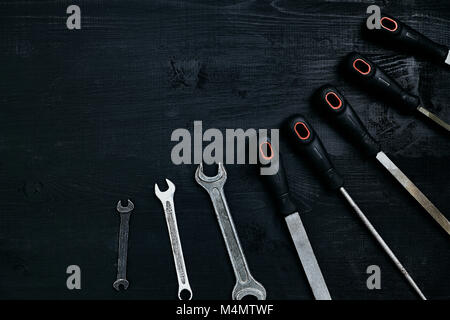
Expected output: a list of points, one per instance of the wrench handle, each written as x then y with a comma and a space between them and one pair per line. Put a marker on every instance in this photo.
229, 232
177, 250
123, 245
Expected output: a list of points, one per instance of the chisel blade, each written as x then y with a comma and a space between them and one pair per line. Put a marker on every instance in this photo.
307, 257
447, 61
434, 117
414, 191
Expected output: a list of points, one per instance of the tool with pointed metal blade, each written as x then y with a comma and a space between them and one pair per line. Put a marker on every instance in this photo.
335, 106
365, 72
306, 141
381, 242
397, 33
279, 187
434, 117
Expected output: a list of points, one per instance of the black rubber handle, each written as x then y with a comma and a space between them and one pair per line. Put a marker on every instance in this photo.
307, 142
367, 73
334, 105
400, 34
277, 182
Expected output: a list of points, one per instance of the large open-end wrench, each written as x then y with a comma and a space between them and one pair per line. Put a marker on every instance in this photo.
166, 199
246, 285
123, 245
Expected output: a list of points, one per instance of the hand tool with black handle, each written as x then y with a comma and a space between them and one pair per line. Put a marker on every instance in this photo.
336, 107
365, 72
307, 143
394, 31
279, 187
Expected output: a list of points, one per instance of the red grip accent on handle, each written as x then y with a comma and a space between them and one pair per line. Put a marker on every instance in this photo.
269, 146
330, 103
387, 26
364, 64
302, 137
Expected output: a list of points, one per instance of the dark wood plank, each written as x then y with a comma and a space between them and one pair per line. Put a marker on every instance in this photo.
86, 120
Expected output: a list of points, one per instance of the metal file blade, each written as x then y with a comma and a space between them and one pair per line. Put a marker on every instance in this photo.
434, 117
414, 191
307, 257
381, 242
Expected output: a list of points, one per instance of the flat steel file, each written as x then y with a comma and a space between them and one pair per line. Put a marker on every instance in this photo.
335, 106
374, 78
278, 185
402, 36
434, 117
306, 141
307, 257
414, 191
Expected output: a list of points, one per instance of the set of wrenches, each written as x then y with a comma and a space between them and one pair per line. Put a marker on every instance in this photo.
245, 285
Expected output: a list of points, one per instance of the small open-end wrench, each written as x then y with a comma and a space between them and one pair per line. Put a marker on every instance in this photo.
166, 199
123, 245
246, 285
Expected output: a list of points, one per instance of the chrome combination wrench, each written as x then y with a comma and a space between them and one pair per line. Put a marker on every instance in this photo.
166, 199
123, 245
246, 285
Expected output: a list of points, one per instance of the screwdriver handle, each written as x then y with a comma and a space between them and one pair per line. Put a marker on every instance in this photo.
397, 32
334, 105
277, 182
308, 143
374, 78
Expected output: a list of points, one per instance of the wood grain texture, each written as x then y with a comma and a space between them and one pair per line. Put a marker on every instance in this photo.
86, 118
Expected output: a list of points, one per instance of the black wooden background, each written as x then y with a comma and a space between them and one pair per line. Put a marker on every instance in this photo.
86, 118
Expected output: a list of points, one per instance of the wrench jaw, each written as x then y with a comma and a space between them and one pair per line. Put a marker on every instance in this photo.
164, 196
249, 288
121, 283
127, 209
187, 288
209, 183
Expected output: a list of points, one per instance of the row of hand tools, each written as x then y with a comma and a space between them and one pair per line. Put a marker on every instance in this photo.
306, 141
245, 283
